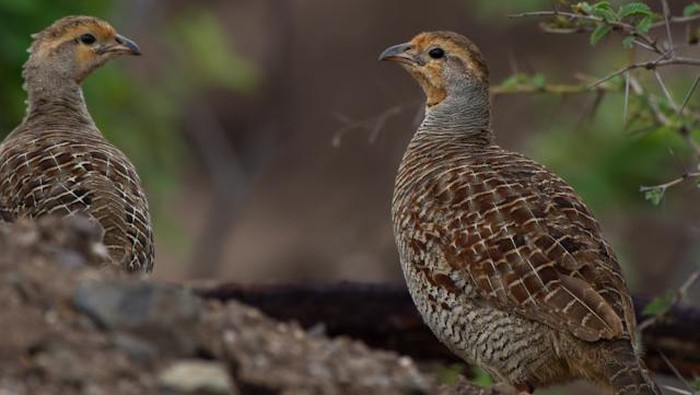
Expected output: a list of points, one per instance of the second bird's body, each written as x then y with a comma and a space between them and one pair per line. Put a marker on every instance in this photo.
502, 258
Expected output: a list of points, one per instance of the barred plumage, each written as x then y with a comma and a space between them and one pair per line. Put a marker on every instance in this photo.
504, 261
56, 162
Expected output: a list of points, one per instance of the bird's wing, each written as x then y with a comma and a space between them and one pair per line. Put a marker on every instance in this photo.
523, 239
120, 205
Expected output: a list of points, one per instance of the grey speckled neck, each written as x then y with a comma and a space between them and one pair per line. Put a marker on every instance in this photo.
50, 94
465, 112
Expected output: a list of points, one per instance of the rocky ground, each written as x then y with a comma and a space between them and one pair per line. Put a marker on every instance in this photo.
72, 324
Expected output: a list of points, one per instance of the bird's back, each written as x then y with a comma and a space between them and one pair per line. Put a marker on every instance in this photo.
64, 167
513, 229
491, 241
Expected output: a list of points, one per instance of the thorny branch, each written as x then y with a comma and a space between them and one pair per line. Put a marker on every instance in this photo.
623, 27
373, 124
681, 118
666, 55
677, 296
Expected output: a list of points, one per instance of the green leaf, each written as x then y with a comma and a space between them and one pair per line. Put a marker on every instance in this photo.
481, 378
602, 5
514, 80
607, 14
448, 374
691, 9
654, 195
539, 80
634, 9
582, 8
600, 32
658, 306
696, 384
628, 42
644, 24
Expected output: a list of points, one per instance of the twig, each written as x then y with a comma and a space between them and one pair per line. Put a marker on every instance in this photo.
622, 26
678, 296
690, 93
558, 89
373, 124
667, 21
665, 91
650, 65
676, 20
666, 185
627, 96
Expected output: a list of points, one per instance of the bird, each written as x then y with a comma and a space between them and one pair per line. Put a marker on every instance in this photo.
502, 258
57, 162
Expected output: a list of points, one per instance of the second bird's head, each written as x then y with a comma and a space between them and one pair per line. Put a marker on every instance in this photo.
72, 47
444, 64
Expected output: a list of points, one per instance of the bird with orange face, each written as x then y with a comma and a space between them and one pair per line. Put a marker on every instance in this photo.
56, 162
502, 258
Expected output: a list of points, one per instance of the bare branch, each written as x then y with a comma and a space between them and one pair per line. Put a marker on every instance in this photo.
665, 90
626, 28
667, 21
680, 294
689, 94
373, 124
662, 61
666, 185
627, 96
676, 20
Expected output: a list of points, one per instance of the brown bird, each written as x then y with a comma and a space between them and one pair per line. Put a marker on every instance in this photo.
502, 258
56, 162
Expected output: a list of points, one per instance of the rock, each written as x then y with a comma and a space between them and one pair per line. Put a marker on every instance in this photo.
139, 351
74, 241
71, 328
197, 377
163, 314
270, 357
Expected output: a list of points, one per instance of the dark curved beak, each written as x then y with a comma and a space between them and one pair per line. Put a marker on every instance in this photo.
121, 45
398, 53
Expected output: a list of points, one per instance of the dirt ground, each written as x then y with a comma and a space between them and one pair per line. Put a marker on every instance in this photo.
72, 324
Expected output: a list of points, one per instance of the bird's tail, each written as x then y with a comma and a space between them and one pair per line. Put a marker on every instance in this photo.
624, 370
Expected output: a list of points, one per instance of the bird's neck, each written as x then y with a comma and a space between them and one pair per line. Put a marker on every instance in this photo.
53, 96
465, 114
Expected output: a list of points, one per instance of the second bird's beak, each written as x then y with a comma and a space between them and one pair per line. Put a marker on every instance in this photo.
122, 46
398, 53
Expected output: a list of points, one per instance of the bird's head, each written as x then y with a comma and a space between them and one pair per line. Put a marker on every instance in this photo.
444, 64
72, 47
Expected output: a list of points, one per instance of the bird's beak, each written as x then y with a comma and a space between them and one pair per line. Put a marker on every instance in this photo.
121, 46
398, 53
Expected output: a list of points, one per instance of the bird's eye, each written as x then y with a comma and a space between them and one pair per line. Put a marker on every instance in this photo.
436, 53
87, 39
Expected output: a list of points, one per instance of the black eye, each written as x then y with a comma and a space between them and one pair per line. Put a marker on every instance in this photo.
87, 39
436, 53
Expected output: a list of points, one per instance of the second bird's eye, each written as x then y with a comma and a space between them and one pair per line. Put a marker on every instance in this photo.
87, 38
436, 53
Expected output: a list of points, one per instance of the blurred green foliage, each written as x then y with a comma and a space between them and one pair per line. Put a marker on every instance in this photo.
606, 162
18, 20
140, 112
635, 136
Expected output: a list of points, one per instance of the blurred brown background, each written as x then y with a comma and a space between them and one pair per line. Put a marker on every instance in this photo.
257, 127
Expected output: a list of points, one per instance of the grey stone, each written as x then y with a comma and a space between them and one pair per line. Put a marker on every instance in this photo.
197, 377
165, 315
